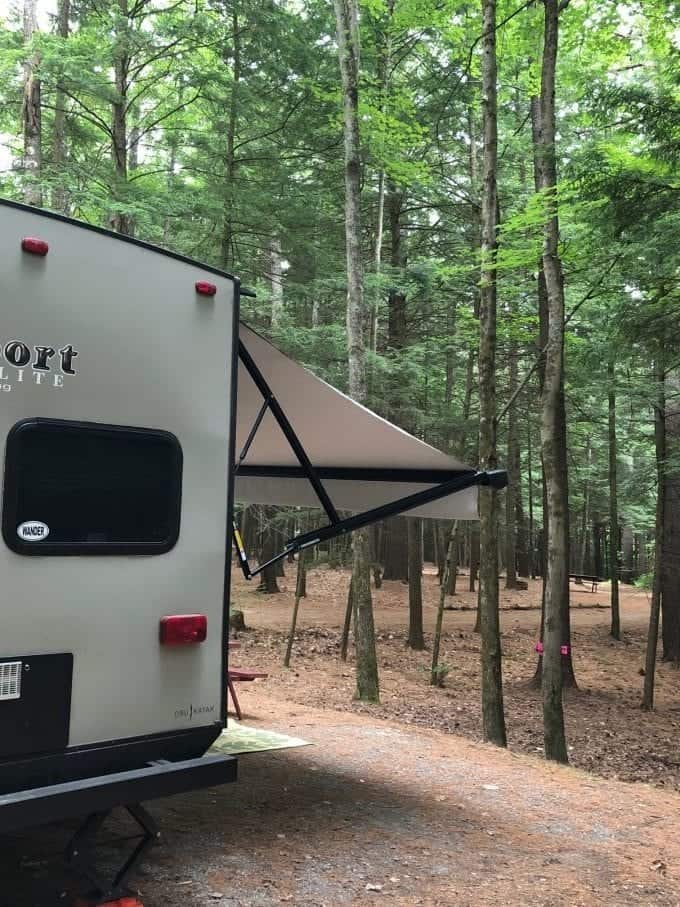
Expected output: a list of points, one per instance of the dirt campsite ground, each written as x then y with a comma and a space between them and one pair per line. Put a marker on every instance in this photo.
399, 803
608, 733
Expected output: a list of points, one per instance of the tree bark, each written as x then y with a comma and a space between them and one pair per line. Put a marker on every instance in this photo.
119, 220
512, 500
396, 313
615, 628
233, 54
299, 593
31, 110
437, 670
552, 407
346, 624
583, 564
670, 574
276, 281
530, 494
416, 639
346, 12
59, 198
268, 583
493, 717
395, 549
660, 450
474, 560
384, 43
598, 563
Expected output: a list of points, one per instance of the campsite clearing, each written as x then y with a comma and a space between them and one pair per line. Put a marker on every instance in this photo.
422, 816
379, 812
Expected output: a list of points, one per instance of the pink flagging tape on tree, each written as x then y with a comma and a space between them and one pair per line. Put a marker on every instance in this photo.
539, 647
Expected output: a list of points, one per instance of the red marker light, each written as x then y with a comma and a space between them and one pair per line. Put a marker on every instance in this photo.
183, 629
203, 288
34, 246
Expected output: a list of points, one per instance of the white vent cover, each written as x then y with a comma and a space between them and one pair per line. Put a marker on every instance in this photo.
10, 680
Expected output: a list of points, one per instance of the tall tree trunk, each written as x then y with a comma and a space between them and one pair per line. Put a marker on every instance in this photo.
660, 449
474, 561
395, 549
31, 110
133, 157
268, 583
395, 530
133, 152
670, 574
437, 671
583, 546
416, 639
300, 584
553, 440
346, 12
627, 568
384, 42
377, 262
349, 611
234, 54
530, 494
613, 506
598, 564
512, 499
449, 379
493, 717
120, 220
276, 281
59, 198
396, 323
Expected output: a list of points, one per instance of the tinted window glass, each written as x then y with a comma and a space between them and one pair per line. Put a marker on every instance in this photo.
73, 488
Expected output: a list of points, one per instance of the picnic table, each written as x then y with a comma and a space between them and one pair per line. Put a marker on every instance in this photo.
240, 675
581, 578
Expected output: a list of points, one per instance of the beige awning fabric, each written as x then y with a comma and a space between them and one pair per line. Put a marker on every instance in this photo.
362, 459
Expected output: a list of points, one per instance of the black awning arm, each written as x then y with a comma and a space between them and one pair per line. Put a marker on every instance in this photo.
253, 432
497, 478
288, 430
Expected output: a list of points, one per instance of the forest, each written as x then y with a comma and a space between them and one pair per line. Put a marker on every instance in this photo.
465, 215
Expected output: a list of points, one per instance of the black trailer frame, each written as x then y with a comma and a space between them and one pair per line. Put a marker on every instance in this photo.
97, 797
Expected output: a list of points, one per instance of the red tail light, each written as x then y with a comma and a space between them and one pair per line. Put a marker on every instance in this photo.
34, 246
203, 288
183, 629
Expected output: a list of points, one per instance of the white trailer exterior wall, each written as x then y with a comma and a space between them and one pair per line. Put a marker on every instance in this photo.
151, 353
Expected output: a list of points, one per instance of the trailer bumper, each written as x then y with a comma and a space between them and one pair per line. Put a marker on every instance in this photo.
54, 802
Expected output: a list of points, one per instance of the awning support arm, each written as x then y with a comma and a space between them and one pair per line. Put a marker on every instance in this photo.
253, 432
288, 430
497, 478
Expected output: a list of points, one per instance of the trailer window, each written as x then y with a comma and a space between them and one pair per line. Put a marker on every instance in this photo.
83, 488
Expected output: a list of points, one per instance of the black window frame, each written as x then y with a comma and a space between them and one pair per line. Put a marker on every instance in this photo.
96, 547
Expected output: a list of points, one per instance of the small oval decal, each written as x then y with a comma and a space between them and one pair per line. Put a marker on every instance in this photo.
33, 531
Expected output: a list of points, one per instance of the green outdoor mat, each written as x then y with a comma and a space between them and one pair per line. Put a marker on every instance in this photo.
239, 738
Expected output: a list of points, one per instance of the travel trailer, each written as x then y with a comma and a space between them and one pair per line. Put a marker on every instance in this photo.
134, 409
